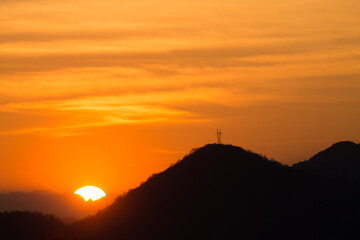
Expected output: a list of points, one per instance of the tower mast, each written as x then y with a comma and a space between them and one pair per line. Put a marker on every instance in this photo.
218, 133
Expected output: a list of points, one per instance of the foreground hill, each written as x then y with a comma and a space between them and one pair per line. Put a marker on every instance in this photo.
225, 192
341, 159
20, 225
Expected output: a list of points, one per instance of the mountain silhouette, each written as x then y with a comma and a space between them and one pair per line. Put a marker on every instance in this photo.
341, 159
215, 192
25, 225
226, 192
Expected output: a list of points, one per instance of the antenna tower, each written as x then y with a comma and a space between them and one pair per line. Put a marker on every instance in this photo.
218, 133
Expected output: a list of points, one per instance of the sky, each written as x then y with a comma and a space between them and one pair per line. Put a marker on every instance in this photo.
109, 92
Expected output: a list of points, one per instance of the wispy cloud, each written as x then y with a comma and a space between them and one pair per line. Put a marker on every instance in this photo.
204, 57
116, 34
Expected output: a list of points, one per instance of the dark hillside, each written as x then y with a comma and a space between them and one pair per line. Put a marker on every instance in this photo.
225, 192
341, 159
21, 225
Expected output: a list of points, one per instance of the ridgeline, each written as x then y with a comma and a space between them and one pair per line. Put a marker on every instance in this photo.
225, 192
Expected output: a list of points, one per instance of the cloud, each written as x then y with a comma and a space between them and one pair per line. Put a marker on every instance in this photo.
74, 116
216, 57
77, 117
116, 34
154, 61
14, 1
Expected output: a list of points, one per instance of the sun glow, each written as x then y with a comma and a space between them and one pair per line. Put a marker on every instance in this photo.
90, 192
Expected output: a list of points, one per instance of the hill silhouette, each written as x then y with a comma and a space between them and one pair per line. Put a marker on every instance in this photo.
341, 159
25, 225
225, 192
216, 192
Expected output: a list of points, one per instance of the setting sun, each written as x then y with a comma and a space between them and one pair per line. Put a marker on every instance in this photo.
90, 192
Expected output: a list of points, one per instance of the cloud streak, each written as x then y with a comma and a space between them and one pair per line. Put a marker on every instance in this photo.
214, 57
217, 57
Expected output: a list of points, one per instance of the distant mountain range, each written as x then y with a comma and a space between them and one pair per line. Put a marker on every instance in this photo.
224, 192
66, 206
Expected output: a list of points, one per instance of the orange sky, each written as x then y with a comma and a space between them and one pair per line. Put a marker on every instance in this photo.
108, 92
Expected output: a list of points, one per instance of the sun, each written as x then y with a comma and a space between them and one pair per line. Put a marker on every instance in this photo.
90, 192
